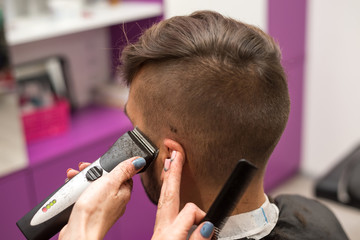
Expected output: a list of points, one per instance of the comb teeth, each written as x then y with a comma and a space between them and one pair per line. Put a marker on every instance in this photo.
216, 233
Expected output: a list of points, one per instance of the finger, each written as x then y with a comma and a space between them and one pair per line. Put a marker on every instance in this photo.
126, 170
169, 201
83, 165
70, 173
204, 231
190, 215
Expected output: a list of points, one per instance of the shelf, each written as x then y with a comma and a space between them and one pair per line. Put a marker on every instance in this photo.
25, 30
88, 126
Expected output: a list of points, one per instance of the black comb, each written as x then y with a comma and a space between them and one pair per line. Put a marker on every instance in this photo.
230, 195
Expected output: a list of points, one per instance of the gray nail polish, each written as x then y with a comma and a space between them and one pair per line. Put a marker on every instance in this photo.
207, 229
139, 163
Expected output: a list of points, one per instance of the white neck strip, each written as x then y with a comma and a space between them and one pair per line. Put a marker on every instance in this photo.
255, 224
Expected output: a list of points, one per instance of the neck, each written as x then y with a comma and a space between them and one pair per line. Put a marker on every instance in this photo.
252, 199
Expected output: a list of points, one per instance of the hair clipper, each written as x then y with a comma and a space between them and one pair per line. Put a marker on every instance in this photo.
52, 214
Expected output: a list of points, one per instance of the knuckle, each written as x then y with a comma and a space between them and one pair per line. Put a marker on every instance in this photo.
123, 197
167, 199
126, 189
169, 196
191, 207
160, 205
130, 184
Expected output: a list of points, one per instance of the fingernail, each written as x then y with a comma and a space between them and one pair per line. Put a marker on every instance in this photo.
139, 163
173, 155
167, 164
68, 170
207, 229
80, 163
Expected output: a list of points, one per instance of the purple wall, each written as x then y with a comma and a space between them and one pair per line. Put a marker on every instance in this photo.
15, 202
287, 22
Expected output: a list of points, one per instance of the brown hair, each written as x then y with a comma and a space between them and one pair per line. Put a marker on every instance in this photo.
215, 85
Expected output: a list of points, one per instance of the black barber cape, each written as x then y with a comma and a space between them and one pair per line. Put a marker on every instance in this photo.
302, 218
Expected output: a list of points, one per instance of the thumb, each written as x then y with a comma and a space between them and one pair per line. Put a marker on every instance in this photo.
126, 170
203, 231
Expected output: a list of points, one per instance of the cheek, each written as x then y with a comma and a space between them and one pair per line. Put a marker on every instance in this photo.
157, 172
153, 175
152, 185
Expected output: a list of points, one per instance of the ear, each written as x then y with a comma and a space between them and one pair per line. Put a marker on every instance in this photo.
172, 145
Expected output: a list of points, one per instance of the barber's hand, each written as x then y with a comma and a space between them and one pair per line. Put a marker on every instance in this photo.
170, 223
102, 203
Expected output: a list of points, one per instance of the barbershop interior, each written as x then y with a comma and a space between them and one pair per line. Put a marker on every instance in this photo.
62, 100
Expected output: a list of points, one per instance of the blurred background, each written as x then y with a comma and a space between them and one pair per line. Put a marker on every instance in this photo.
61, 97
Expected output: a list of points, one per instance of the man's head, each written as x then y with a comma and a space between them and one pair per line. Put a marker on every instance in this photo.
211, 84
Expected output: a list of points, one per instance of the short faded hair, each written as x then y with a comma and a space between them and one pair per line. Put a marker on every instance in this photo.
214, 84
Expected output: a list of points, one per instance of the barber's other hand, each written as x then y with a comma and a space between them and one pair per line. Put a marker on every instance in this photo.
70, 173
170, 223
102, 203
